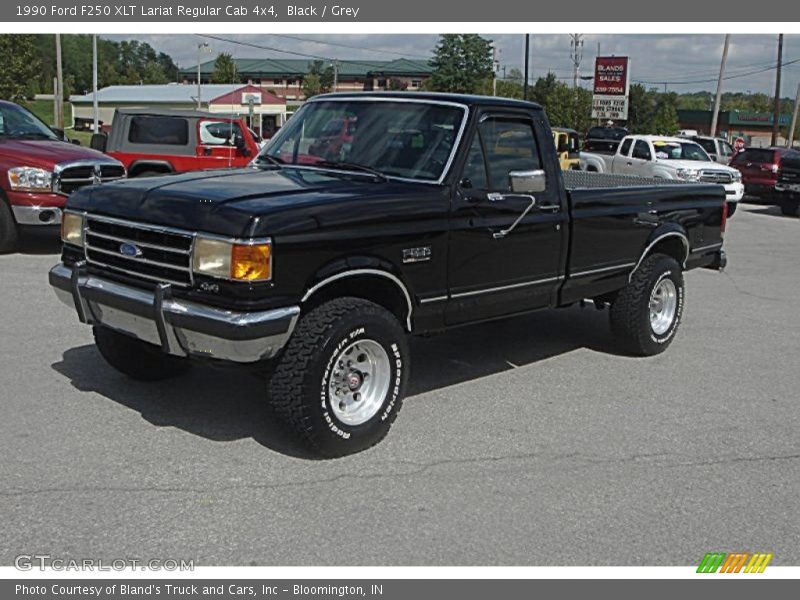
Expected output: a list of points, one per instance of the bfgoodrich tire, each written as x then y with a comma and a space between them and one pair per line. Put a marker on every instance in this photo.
341, 379
646, 313
137, 359
8, 228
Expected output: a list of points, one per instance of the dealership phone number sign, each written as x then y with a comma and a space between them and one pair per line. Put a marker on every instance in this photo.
611, 87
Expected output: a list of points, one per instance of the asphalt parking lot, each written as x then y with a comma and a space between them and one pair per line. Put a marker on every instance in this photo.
527, 441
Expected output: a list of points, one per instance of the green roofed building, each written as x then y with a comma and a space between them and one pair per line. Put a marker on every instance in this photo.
284, 77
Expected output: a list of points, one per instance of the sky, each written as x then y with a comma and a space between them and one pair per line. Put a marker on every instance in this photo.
687, 62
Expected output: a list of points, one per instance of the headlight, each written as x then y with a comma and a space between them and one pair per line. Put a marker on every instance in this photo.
688, 174
30, 179
72, 228
238, 261
737, 176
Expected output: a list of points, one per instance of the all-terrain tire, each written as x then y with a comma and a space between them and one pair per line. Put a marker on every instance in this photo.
137, 359
630, 312
790, 207
9, 236
300, 387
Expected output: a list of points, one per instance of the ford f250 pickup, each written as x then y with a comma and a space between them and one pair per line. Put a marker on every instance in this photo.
439, 211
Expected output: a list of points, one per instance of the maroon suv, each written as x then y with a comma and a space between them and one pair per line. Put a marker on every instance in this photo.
760, 168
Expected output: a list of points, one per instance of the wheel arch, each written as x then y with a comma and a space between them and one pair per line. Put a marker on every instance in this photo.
671, 241
138, 166
372, 280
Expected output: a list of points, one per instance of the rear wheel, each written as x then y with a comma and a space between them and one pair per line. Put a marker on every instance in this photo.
9, 235
340, 381
137, 359
790, 206
646, 313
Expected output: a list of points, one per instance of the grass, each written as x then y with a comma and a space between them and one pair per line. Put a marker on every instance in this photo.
44, 110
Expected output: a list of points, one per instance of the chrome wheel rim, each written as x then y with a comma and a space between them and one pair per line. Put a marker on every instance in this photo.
663, 306
359, 382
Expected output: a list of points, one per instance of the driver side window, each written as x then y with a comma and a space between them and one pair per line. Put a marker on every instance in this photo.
641, 150
474, 175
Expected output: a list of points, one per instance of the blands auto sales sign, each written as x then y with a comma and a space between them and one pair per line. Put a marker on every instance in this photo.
611, 87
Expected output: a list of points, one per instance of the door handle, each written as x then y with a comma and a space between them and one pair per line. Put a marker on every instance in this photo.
495, 197
550, 207
630, 164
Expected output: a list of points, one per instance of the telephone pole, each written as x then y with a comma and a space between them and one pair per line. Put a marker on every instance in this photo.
576, 54
95, 110
718, 98
794, 118
776, 113
59, 113
527, 55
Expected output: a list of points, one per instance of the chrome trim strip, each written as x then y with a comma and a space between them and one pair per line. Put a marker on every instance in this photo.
368, 98
136, 274
138, 225
142, 260
708, 247
433, 299
602, 270
506, 287
683, 238
356, 272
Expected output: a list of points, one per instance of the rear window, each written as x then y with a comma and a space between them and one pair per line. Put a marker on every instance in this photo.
164, 131
756, 155
607, 133
707, 145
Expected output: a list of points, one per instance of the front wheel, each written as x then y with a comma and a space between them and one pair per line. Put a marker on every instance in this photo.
137, 359
732, 208
341, 379
646, 313
8, 228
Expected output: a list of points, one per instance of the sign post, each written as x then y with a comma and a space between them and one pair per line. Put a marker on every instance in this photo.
611, 88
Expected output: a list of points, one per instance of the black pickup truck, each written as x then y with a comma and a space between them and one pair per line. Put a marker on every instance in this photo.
436, 211
787, 188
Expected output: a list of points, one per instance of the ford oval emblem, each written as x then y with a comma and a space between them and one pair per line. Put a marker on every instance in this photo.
130, 250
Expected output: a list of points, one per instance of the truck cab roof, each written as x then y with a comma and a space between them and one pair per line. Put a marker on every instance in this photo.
467, 99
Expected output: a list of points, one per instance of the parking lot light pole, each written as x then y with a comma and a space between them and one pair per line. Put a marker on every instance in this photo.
95, 110
199, 93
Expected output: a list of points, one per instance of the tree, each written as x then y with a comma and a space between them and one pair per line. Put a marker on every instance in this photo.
461, 63
19, 66
318, 80
154, 73
224, 69
665, 119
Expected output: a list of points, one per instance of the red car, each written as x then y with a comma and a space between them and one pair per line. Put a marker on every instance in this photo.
334, 136
38, 170
760, 168
156, 142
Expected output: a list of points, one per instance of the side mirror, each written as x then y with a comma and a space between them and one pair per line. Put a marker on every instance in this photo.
98, 142
713, 157
60, 134
76, 142
527, 182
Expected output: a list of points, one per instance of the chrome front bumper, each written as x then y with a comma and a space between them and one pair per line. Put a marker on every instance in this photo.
179, 327
36, 215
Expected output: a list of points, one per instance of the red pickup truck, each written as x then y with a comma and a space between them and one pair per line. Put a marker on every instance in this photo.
38, 170
158, 141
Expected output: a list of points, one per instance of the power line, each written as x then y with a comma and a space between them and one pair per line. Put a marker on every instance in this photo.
727, 77
350, 46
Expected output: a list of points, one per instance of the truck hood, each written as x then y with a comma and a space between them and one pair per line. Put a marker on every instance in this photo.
693, 164
46, 154
253, 202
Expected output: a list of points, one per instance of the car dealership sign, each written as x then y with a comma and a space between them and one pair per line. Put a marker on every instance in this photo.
611, 88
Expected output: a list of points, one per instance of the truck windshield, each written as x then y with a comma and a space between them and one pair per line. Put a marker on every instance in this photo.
16, 122
680, 151
413, 140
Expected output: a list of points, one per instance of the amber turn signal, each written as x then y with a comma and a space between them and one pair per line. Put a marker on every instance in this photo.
251, 262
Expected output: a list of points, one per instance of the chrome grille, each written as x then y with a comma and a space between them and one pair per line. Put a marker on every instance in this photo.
163, 254
715, 177
70, 178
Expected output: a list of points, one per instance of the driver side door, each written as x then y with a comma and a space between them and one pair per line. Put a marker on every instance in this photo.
492, 274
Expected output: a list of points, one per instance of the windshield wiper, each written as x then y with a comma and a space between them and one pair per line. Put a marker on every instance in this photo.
348, 166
